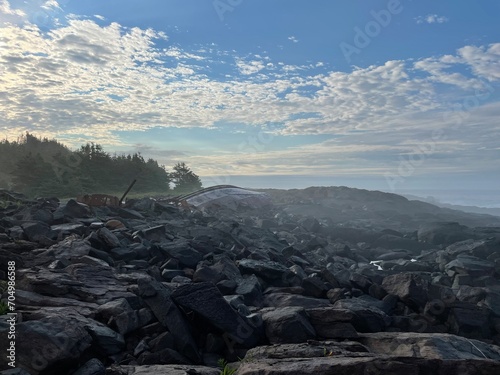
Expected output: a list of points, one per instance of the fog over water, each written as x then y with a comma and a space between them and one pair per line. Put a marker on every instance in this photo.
464, 193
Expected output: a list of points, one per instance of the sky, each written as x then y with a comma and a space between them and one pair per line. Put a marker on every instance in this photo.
392, 95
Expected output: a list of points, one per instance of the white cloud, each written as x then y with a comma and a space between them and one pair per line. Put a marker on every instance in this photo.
99, 17
484, 61
5, 8
51, 4
249, 67
85, 81
431, 18
293, 39
10, 15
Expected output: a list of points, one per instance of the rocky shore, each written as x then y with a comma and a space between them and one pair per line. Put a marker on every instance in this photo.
324, 281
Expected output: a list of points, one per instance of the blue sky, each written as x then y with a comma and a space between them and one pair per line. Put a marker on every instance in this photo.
389, 95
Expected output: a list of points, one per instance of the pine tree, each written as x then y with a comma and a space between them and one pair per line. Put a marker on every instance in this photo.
185, 179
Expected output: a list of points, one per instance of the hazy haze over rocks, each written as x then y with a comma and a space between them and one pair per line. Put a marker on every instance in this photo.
153, 288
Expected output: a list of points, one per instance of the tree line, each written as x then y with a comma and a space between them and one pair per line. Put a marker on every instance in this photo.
42, 167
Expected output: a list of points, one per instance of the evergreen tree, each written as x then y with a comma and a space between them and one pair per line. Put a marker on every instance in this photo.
185, 179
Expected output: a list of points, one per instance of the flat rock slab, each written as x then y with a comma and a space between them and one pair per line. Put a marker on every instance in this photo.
158, 298
311, 349
285, 299
46, 342
473, 266
367, 318
331, 365
429, 345
82, 282
162, 370
288, 325
410, 288
205, 299
31, 299
266, 269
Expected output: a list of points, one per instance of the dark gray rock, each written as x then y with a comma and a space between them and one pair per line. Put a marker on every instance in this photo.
108, 341
470, 322
334, 323
163, 357
168, 275
154, 234
182, 251
288, 325
47, 344
162, 370
36, 231
250, 289
444, 233
74, 209
206, 300
310, 224
336, 294
30, 300
227, 287
367, 317
83, 282
113, 308
470, 265
359, 281
286, 299
123, 253
410, 288
108, 238
207, 274
492, 302
130, 321
314, 287
91, 367
101, 255
70, 247
14, 371
164, 340
159, 300
266, 269
129, 213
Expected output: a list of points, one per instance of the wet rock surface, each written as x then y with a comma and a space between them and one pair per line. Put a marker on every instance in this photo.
154, 288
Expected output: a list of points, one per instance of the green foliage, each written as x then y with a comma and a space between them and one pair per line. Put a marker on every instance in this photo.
42, 167
3, 286
225, 369
4, 308
184, 179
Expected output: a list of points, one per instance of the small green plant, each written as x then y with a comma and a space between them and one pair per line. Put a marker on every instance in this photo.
3, 308
225, 369
327, 353
3, 286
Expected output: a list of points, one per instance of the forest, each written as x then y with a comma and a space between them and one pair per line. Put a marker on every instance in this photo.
39, 167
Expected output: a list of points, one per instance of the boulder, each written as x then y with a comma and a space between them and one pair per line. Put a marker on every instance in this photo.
91, 367
36, 231
266, 269
108, 238
443, 233
47, 344
183, 252
470, 265
73, 209
333, 323
288, 325
410, 288
367, 317
206, 300
159, 300
286, 299
161, 370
